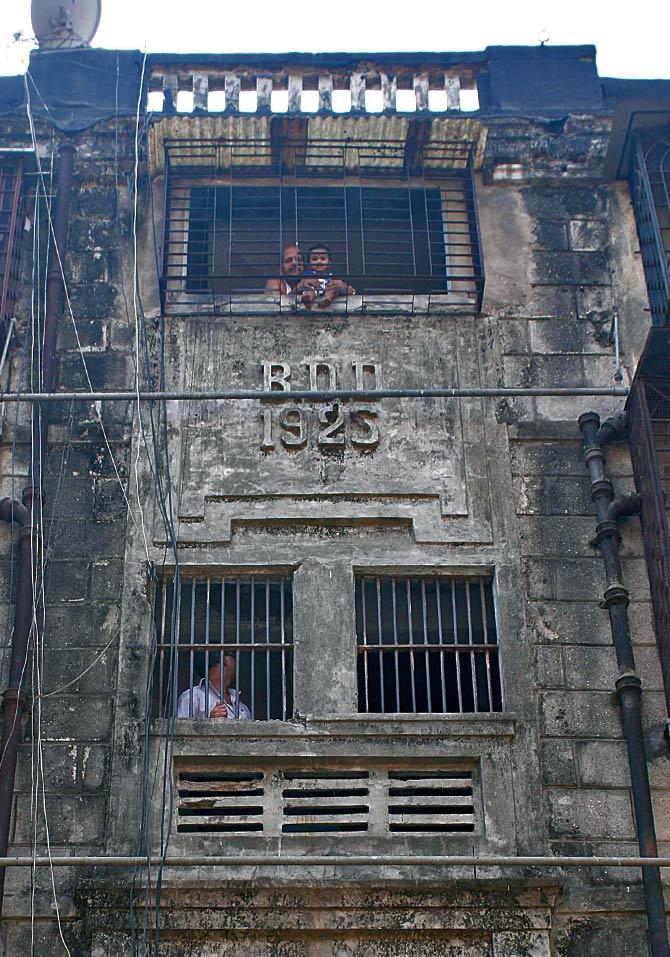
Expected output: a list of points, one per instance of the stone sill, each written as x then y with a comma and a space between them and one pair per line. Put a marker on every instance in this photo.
191, 305
349, 726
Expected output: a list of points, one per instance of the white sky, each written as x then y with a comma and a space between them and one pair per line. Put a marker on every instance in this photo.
632, 37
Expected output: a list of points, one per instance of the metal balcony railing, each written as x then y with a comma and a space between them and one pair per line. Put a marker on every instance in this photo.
650, 187
11, 178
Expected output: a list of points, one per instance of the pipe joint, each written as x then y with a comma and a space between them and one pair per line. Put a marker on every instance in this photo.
588, 420
613, 429
628, 681
607, 529
602, 486
624, 506
616, 594
13, 511
594, 452
15, 694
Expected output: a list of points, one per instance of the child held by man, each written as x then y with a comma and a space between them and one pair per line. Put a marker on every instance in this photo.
318, 282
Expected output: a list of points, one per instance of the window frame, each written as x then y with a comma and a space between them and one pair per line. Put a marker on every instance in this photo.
165, 697
459, 218
10, 254
457, 576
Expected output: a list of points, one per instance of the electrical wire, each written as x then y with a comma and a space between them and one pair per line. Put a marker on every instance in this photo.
69, 305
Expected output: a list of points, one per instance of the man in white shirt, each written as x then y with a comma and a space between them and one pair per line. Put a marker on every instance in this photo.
208, 701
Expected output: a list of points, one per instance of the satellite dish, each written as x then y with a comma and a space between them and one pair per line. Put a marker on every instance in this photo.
60, 24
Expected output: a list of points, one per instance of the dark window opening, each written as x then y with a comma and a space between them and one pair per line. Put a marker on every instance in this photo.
11, 176
649, 410
381, 239
650, 187
200, 622
427, 645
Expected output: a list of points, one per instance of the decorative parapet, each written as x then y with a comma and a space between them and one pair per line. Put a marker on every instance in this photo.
323, 86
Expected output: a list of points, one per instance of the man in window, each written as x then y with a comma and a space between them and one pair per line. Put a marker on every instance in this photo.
291, 267
213, 697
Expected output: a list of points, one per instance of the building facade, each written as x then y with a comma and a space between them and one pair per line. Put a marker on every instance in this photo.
424, 599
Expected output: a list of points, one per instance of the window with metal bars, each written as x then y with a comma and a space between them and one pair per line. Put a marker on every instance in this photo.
398, 221
427, 645
11, 179
381, 239
650, 187
241, 623
649, 411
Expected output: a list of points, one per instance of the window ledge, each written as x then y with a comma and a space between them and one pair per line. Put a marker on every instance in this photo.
194, 304
501, 725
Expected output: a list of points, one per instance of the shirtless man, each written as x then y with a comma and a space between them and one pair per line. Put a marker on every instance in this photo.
291, 267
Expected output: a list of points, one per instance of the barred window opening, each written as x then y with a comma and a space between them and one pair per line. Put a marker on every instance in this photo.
11, 177
226, 643
399, 220
427, 645
650, 187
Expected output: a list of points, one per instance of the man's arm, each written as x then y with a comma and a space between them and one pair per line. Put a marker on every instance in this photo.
275, 285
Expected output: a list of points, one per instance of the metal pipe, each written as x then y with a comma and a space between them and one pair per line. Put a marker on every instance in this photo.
55, 292
628, 684
14, 697
27, 515
336, 860
363, 395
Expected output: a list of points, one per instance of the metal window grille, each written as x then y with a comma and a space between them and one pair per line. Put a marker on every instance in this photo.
250, 619
650, 187
649, 409
427, 645
398, 226
11, 177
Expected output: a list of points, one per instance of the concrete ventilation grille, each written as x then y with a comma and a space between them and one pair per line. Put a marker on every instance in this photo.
430, 801
211, 801
320, 801
326, 801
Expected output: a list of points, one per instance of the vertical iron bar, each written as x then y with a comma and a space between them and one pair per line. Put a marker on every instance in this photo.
230, 245
192, 655
252, 663
207, 597
472, 653
162, 693
267, 652
379, 638
408, 588
237, 641
457, 653
438, 598
175, 639
425, 639
395, 642
283, 649
365, 642
482, 585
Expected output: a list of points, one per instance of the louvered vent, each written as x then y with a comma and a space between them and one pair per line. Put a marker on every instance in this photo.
325, 801
421, 801
379, 801
220, 801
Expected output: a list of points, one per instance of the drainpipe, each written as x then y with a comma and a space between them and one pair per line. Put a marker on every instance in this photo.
26, 515
628, 685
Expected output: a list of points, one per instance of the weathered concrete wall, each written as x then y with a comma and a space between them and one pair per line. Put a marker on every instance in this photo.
496, 484
84, 544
